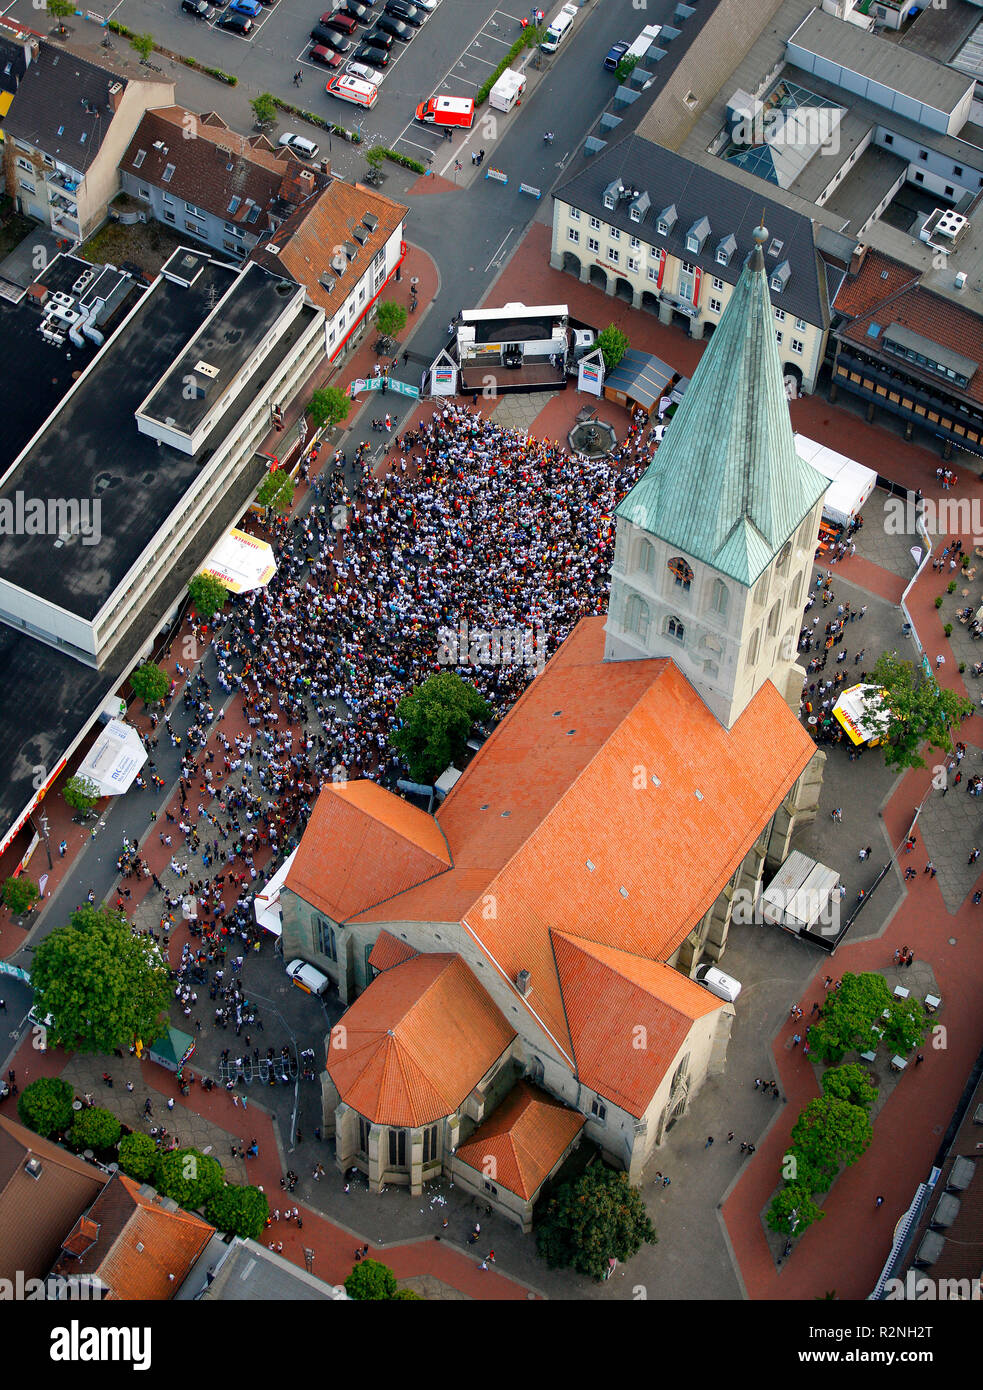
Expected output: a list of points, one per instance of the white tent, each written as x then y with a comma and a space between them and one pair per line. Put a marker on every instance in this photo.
114, 759
241, 562
266, 904
850, 482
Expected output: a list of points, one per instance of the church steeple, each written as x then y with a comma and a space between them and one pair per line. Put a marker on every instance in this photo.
715, 540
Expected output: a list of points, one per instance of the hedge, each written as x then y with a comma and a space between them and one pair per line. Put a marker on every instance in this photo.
352, 136
407, 161
529, 36
217, 73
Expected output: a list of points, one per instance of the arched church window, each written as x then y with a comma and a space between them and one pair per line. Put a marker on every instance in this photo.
752, 649
674, 628
646, 557
781, 564
796, 597
761, 588
719, 598
637, 617
773, 618
681, 573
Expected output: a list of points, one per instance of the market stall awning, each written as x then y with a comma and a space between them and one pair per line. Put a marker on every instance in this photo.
861, 722
172, 1049
114, 759
266, 904
241, 562
641, 377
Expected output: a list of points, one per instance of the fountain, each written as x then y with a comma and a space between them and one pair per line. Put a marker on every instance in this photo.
594, 438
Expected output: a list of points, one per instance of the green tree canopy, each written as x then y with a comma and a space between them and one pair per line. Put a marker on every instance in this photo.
264, 108
793, 1211
150, 683
81, 793
408, 1296
276, 491
625, 68
20, 894
613, 344
591, 1220
208, 595
46, 1105
328, 407
849, 1013
138, 1156
435, 722
907, 1024
370, 1279
390, 317
851, 1083
917, 709
240, 1210
60, 10
104, 986
96, 1128
830, 1132
144, 45
190, 1177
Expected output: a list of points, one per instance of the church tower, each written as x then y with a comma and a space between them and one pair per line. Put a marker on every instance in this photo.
715, 543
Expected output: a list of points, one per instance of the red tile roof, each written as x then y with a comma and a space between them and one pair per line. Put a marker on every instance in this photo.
878, 278
414, 1045
362, 846
389, 951
526, 1137
628, 1018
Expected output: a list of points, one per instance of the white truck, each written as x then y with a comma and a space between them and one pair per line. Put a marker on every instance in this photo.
507, 91
560, 26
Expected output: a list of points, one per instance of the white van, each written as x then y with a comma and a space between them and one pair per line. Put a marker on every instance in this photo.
559, 28
723, 986
307, 978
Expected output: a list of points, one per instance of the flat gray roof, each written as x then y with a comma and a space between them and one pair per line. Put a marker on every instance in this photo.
868, 182
928, 347
881, 61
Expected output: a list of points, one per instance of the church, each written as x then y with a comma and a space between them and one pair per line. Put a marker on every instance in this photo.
518, 968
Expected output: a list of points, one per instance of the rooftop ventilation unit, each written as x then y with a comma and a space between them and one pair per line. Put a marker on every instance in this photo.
33, 1168
361, 235
207, 369
522, 983
326, 283
370, 220
950, 224
339, 263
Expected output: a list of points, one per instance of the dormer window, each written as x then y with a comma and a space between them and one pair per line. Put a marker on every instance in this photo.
141, 155
726, 249
611, 194
666, 220
609, 202
780, 277
692, 244
169, 173
697, 235
662, 227
639, 206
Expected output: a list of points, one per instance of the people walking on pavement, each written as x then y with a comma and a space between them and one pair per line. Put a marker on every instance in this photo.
709, 1141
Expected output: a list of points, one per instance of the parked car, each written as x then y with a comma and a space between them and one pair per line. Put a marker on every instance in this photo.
238, 23
308, 977
409, 14
385, 24
327, 57
428, 5
342, 22
375, 57
377, 39
299, 145
358, 9
322, 34
199, 8
364, 74
247, 7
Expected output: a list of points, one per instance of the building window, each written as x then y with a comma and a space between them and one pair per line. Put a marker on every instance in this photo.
646, 557
948, 190
889, 139
25, 164
752, 651
170, 216
920, 177
595, 223
715, 306
686, 268
957, 171
634, 243
773, 617
190, 207
637, 618
781, 564
230, 245
675, 629
145, 194
573, 235
801, 325
654, 273
364, 1129
662, 228
325, 940
598, 1109
430, 1144
682, 575
719, 598
923, 155
614, 234
397, 1148
780, 315
717, 283
797, 345
613, 255
167, 199
593, 244
777, 285
796, 594
575, 214
761, 589
633, 264
778, 337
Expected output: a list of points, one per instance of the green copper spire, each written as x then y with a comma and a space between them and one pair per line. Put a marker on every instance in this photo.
726, 484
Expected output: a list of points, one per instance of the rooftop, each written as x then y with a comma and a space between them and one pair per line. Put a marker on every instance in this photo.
246, 1271
526, 1136
63, 106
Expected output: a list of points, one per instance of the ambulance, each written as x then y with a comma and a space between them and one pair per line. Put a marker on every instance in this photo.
447, 111
350, 88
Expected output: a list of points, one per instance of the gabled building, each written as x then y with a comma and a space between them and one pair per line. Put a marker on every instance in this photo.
18, 48
65, 133
197, 175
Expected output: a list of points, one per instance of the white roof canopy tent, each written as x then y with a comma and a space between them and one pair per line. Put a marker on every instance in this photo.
850, 483
266, 904
241, 562
114, 759
861, 713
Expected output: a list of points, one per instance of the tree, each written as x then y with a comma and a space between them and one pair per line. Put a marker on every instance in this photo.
390, 318
150, 683
588, 1222
408, 1296
20, 894
328, 407
916, 709
830, 1132
370, 1279
276, 491
435, 721
144, 45
851, 1083
208, 595
264, 108
105, 986
793, 1211
138, 1157
907, 1024
625, 68
46, 1105
190, 1178
81, 793
613, 345
96, 1128
849, 1013
239, 1209
60, 10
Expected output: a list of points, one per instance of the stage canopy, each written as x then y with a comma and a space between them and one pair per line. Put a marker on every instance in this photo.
863, 724
114, 759
241, 562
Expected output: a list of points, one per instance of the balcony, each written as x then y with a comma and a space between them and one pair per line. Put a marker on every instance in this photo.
56, 180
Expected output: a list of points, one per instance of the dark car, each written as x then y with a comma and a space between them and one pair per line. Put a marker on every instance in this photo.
322, 34
238, 23
378, 39
385, 24
327, 57
342, 22
357, 9
375, 57
199, 8
402, 9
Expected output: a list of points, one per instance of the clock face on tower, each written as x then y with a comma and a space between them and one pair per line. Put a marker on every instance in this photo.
681, 573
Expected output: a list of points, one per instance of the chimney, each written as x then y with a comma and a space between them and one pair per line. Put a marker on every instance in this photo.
858, 258
115, 95
522, 983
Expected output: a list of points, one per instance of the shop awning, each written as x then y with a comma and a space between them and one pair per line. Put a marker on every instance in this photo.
241, 562
266, 904
114, 759
863, 724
